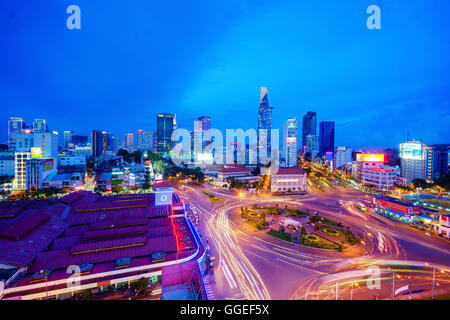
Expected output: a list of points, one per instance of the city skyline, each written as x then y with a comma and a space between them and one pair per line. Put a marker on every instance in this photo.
362, 79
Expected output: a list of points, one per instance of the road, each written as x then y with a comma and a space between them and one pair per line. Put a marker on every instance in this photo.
253, 265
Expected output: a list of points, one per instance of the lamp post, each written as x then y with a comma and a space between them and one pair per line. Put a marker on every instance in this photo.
410, 296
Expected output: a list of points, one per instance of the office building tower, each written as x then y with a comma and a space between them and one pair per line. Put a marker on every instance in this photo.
164, 129
47, 142
40, 125
129, 140
111, 142
312, 146
201, 136
264, 126
309, 127
67, 137
99, 143
290, 142
413, 160
436, 161
326, 139
342, 156
144, 140
15, 126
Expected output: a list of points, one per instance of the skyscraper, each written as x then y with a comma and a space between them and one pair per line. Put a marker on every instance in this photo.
312, 146
164, 129
99, 143
67, 138
264, 125
15, 126
326, 138
290, 142
40, 125
129, 140
437, 161
144, 140
309, 126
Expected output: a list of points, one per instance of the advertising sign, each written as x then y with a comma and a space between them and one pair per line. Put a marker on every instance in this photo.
163, 198
411, 151
36, 153
48, 164
369, 157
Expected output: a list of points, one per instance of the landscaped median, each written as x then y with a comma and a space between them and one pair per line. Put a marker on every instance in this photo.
309, 240
212, 198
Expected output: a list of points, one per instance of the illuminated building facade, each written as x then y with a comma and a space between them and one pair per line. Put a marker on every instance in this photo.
164, 129
289, 179
290, 142
264, 126
309, 127
413, 160
326, 138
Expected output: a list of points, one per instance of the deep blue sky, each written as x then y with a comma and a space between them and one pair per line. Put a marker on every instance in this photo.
134, 59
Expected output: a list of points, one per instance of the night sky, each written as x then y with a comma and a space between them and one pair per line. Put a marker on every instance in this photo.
133, 59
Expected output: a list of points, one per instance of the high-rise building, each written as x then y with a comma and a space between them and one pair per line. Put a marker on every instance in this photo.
129, 140
99, 143
290, 142
342, 156
164, 129
413, 160
264, 126
144, 140
20, 172
201, 136
437, 161
111, 142
15, 126
48, 142
40, 125
312, 146
67, 135
309, 127
326, 138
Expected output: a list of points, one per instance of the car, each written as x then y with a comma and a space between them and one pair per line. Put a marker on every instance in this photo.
341, 202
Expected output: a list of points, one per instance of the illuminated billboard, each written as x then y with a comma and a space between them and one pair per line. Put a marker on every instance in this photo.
48, 164
370, 157
411, 150
36, 153
291, 139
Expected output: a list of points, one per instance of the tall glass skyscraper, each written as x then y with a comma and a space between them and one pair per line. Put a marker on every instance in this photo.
309, 127
99, 141
264, 125
164, 129
290, 142
67, 136
326, 138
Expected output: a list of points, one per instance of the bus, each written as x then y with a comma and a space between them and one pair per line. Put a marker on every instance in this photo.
361, 207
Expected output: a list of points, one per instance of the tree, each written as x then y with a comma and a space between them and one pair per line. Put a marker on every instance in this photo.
282, 228
420, 183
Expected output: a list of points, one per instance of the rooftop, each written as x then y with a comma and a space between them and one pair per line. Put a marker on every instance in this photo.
288, 170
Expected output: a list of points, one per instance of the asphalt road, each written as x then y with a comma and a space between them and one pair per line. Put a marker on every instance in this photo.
253, 265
